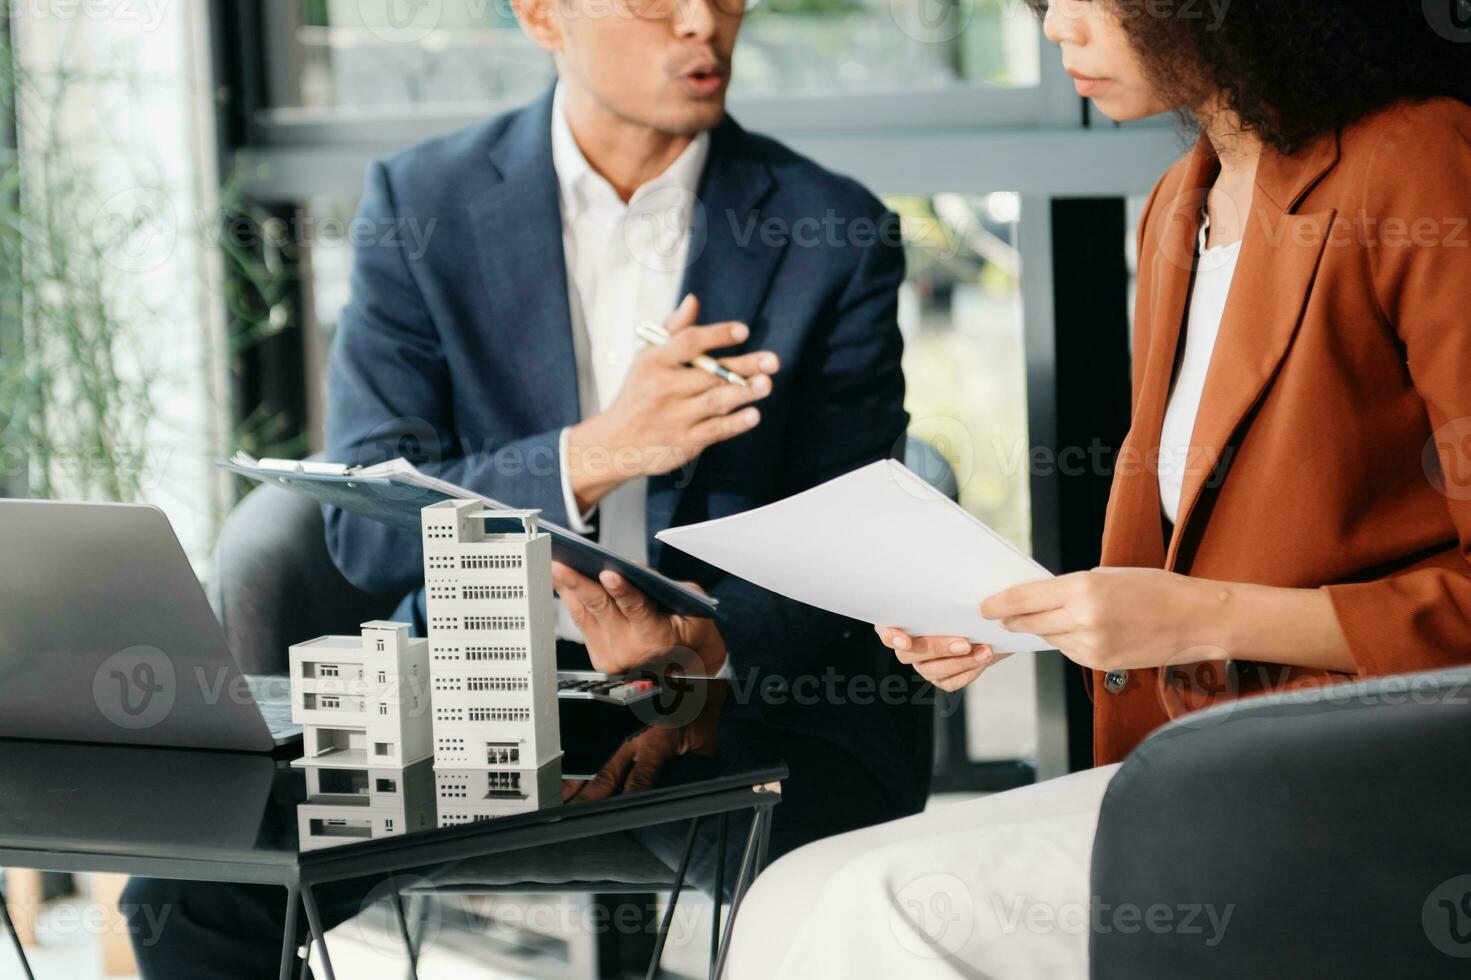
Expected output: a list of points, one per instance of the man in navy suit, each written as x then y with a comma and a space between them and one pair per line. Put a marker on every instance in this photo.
499, 354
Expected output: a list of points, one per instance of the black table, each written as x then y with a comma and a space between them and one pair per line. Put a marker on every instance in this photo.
229, 817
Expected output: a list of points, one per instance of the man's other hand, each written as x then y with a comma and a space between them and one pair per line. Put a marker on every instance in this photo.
626, 632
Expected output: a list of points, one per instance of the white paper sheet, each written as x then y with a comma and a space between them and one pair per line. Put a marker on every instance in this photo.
878, 545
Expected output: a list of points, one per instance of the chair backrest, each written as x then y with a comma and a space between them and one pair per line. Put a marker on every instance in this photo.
929, 464
274, 583
1314, 832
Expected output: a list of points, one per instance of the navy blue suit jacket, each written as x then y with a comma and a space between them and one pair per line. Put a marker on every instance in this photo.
456, 350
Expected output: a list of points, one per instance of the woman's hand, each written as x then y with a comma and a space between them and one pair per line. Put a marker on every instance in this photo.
1119, 618
948, 662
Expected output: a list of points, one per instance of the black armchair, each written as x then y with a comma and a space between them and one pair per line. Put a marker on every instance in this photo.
1315, 834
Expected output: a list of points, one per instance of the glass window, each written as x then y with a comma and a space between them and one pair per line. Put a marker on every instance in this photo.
819, 46
964, 360
387, 53
965, 370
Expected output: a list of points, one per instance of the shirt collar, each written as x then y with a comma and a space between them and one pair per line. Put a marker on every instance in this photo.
582, 187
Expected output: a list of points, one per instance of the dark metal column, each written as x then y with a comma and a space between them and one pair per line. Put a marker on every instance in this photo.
1078, 387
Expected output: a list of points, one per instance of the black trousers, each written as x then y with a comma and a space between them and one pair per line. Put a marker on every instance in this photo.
212, 931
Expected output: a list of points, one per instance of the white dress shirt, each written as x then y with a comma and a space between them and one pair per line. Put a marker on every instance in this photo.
1213, 274
625, 264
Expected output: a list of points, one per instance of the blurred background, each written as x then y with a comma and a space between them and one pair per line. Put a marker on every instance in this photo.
179, 179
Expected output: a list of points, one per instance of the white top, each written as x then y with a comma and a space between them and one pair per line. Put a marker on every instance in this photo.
625, 264
1214, 272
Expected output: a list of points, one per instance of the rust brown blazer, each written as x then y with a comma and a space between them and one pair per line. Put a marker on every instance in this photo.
1333, 445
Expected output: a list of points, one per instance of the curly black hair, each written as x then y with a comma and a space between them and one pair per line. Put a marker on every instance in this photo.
1292, 70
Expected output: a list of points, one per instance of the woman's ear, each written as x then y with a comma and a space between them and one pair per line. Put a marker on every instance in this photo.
542, 22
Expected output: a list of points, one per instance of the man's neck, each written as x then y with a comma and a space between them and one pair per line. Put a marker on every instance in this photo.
626, 154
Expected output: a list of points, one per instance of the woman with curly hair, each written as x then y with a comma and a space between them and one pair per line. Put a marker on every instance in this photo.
1292, 505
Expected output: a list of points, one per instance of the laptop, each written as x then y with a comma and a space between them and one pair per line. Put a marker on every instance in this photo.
106, 636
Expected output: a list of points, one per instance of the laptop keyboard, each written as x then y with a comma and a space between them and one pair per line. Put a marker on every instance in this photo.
278, 717
272, 693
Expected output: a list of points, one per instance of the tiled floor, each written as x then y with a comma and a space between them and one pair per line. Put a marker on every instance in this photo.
69, 948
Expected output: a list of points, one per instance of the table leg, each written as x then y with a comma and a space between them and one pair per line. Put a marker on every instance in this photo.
718, 896
288, 935
20, 950
403, 929
743, 881
314, 920
306, 959
763, 847
662, 936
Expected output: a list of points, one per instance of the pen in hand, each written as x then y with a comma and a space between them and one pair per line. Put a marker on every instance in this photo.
655, 335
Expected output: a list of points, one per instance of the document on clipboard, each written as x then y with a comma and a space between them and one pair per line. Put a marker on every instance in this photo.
394, 492
879, 545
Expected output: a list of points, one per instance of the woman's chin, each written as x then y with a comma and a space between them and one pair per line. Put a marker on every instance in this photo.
1122, 110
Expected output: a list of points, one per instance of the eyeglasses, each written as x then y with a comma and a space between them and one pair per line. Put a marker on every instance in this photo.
662, 9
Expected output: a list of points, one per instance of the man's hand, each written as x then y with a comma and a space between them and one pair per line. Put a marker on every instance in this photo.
624, 631
636, 766
948, 662
667, 412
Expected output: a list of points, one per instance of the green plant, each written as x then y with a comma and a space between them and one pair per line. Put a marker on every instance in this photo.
75, 389
81, 371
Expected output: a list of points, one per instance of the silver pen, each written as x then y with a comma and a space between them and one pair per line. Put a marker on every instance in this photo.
655, 335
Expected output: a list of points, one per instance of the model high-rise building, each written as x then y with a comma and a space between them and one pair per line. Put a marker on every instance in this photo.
364, 706
492, 649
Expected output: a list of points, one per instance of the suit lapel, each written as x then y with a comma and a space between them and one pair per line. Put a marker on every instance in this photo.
730, 264
730, 267
1280, 254
518, 233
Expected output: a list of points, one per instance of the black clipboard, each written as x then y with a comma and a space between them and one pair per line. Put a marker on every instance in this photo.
395, 502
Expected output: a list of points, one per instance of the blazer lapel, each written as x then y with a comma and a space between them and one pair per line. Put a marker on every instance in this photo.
518, 233
1134, 528
730, 267
1280, 254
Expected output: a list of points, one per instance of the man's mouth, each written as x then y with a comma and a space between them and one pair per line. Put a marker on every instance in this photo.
705, 79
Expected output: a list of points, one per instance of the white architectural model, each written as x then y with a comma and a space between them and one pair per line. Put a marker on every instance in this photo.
488, 583
352, 805
364, 706
470, 795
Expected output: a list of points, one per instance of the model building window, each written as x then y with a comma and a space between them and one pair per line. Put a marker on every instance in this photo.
382, 748
328, 670
388, 824
331, 702
382, 709
380, 646
382, 677
387, 786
